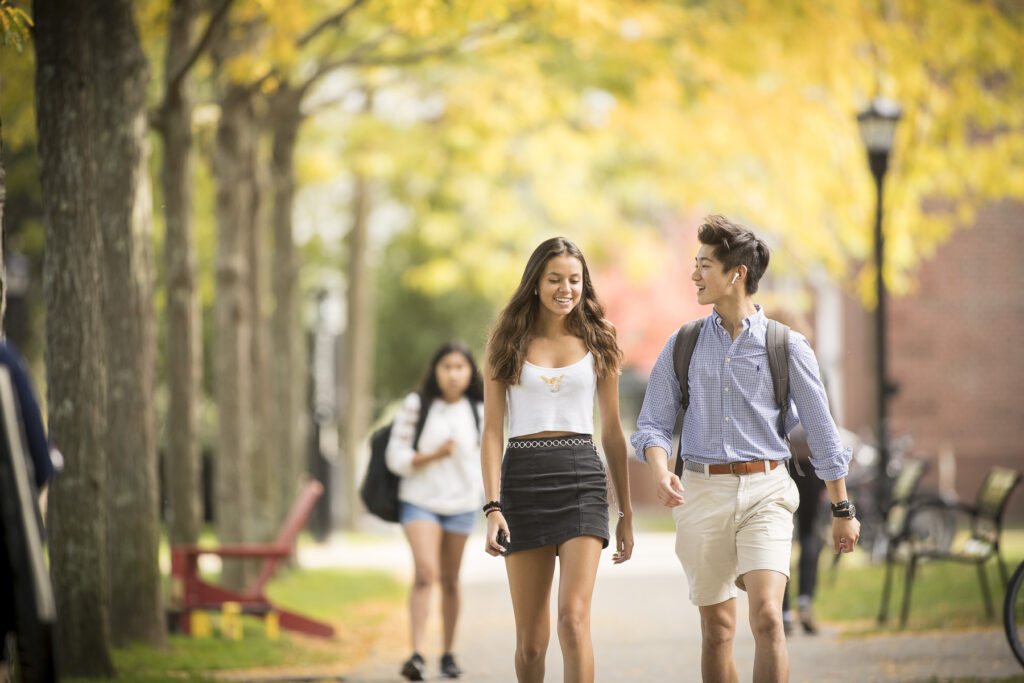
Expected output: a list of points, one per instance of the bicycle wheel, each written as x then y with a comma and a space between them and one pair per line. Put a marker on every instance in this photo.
1013, 613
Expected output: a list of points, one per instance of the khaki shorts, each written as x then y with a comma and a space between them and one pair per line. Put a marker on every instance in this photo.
733, 524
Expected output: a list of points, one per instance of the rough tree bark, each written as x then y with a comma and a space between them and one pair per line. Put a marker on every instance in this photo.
265, 473
235, 131
125, 213
3, 237
66, 108
285, 119
184, 350
359, 336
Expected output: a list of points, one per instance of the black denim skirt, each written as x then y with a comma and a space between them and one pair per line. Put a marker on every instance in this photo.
553, 490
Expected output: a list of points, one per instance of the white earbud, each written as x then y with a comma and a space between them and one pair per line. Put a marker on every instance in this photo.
734, 279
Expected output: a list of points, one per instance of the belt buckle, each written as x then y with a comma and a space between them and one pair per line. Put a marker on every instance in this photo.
732, 468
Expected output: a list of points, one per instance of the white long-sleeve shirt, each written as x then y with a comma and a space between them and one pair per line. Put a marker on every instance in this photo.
447, 486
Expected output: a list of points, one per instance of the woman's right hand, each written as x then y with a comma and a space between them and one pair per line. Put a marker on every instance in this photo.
495, 522
446, 449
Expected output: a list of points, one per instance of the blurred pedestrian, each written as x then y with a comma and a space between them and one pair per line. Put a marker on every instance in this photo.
549, 354
439, 492
808, 536
812, 495
41, 467
734, 526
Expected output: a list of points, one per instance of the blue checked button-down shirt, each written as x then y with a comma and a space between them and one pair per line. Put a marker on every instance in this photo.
732, 416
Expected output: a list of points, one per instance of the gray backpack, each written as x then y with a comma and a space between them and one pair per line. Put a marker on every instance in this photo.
778, 363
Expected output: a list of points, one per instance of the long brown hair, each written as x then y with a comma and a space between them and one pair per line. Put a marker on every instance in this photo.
510, 336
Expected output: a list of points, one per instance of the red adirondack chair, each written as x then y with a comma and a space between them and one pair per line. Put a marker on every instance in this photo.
193, 593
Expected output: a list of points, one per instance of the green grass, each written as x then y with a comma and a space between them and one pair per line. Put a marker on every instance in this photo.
653, 518
194, 656
356, 603
334, 594
194, 659
946, 595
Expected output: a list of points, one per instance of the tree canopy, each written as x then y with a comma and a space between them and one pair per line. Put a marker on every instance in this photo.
495, 124
607, 122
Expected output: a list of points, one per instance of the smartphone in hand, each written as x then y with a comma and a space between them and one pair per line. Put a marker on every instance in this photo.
502, 540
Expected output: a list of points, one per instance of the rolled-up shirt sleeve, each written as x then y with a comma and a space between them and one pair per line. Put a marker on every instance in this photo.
662, 401
830, 459
400, 452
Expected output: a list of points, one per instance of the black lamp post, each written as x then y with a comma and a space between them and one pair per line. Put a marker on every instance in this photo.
877, 128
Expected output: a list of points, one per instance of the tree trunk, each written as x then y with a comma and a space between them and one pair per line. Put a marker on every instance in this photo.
66, 54
183, 320
359, 334
285, 118
3, 238
234, 323
125, 213
265, 474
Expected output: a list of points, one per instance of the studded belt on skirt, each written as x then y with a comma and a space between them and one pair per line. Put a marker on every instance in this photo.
553, 490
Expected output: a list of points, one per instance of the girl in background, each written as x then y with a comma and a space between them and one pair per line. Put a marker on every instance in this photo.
439, 492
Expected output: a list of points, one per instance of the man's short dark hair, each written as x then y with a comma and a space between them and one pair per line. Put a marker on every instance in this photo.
735, 245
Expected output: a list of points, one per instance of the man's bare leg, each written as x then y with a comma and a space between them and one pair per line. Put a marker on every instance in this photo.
718, 627
765, 589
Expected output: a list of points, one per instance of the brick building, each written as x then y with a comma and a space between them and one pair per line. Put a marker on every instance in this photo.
955, 352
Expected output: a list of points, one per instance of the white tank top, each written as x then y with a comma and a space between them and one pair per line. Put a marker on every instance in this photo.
553, 399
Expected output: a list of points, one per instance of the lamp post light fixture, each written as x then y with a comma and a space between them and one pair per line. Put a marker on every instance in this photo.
877, 128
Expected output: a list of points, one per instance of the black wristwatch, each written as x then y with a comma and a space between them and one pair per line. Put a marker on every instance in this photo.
844, 509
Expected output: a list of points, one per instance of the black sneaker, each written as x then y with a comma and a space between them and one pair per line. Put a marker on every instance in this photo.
449, 669
787, 622
807, 620
413, 668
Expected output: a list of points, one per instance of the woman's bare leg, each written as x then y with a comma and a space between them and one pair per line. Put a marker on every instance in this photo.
530, 573
577, 560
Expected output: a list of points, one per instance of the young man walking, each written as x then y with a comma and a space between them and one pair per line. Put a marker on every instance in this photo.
733, 505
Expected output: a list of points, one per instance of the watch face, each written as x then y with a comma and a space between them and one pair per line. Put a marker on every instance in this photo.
845, 513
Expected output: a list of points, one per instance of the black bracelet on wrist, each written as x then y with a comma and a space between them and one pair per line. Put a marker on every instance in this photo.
844, 510
488, 513
491, 505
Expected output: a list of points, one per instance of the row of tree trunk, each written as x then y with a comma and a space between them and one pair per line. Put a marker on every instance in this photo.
104, 522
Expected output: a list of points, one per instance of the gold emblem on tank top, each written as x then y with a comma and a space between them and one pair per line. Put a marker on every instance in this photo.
554, 383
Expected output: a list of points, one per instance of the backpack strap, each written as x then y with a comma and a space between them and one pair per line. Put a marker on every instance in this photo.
476, 416
682, 352
421, 420
777, 345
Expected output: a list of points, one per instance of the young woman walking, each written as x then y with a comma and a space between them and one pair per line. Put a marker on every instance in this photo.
439, 493
549, 354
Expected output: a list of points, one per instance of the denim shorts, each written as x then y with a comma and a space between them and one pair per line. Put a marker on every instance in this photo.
459, 523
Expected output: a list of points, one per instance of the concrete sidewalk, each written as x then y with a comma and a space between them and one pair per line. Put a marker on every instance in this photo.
645, 629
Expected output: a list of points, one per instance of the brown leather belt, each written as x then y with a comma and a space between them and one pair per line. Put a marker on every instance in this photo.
743, 467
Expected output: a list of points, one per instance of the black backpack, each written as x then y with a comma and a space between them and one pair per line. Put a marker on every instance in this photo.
777, 343
379, 490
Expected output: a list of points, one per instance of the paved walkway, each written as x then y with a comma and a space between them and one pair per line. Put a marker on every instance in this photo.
645, 629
